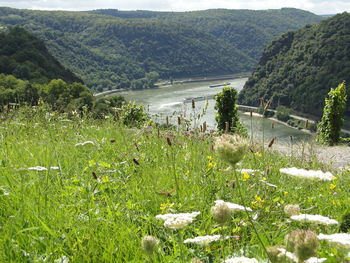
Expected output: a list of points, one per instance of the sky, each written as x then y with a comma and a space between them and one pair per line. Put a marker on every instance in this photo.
319, 7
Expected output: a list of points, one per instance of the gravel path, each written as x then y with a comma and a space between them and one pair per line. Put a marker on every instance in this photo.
338, 157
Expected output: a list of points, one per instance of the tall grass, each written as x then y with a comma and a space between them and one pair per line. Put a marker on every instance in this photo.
105, 196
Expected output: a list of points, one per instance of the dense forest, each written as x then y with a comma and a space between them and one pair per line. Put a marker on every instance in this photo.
299, 68
130, 50
30, 75
26, 57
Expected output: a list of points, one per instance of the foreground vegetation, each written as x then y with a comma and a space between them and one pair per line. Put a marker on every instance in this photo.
105, 183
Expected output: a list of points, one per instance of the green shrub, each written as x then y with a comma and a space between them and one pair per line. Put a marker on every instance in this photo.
282, 113
332, 119
227, 111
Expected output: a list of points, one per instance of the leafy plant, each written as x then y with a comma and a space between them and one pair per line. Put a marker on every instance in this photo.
332, 119
227, 111
282, 113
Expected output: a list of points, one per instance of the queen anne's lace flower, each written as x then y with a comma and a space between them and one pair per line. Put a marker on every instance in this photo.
233, 207
85, 143
40, 168
308, 174
177, 221
241, 260
203, 240
294, 258
248, 171
342, 239
318, 219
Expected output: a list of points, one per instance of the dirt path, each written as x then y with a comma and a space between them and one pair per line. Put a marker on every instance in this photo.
338, 157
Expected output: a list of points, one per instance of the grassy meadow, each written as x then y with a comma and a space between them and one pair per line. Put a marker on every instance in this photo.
96, 201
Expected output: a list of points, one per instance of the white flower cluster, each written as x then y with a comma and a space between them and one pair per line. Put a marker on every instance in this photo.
268, 184
241, 260
318, 219
203, 240
294, 258
248, 171
233, 207
84, 143
308, 174
342, 239
177, 221
40, 168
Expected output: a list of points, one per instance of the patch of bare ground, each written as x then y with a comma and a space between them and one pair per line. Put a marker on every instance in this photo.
337, 157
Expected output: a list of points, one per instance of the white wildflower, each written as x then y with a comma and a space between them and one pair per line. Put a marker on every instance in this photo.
233, 207
292, 210
85, 143
41, 168
294, 258
63, 259
3, 191
318, 219
308, 174
268, 184
315, 260
203, 240
342, 239
248, 171
177, 221
241, 260
37, 168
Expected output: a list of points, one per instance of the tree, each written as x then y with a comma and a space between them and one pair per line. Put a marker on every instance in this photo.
333, 116
227, 110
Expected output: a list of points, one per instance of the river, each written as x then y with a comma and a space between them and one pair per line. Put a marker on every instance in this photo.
169, 101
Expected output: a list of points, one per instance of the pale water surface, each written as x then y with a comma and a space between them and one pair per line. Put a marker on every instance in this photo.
169, 101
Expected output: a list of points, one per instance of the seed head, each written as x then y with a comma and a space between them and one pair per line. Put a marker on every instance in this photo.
292, 210
303, 243
221, 212
149, 244
231, 148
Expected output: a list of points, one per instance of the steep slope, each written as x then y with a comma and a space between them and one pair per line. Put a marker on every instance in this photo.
116, 52
299, 68
247, 30
26, 57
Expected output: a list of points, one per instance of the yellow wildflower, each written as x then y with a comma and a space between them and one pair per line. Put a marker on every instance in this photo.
166, 205
246, 176
332, 187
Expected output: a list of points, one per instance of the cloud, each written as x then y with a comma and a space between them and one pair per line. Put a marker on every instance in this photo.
316, 6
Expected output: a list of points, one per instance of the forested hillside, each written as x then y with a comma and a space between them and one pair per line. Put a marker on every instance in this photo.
108, 51
299, 68
26, 57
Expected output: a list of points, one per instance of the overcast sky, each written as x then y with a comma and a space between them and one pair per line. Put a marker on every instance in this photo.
315, 6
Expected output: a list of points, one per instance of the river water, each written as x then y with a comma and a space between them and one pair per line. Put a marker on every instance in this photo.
169, 101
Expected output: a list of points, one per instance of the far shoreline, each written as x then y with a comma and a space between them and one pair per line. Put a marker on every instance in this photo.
181, 81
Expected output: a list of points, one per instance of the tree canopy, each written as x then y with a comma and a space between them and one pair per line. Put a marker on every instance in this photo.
114, 49
299, 68
26, 57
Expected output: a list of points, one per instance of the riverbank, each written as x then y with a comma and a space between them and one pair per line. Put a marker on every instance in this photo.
181, 81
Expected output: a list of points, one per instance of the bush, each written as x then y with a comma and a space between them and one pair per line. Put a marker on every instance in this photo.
265, 113
227, 111
282, 113
133, 115
333, 119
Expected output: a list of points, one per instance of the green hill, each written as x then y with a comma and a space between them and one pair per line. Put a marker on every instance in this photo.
108, 51
299, 68
26, 57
